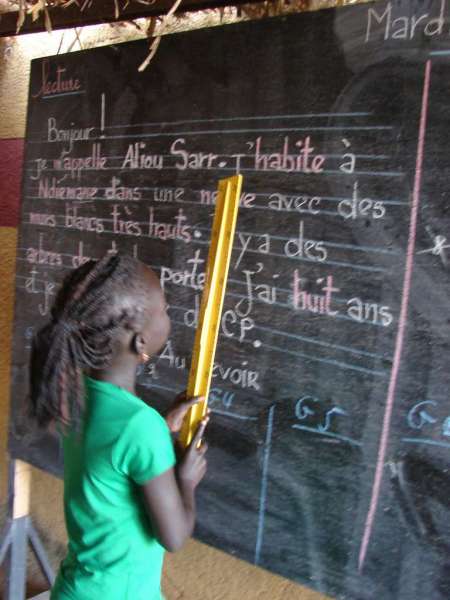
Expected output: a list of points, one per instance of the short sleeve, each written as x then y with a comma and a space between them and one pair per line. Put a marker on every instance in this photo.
145, 449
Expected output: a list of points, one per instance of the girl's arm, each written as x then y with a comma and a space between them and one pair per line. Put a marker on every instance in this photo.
170, 498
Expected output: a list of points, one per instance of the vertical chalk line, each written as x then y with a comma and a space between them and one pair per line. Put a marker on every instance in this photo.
102, 120
263, 493
402, 322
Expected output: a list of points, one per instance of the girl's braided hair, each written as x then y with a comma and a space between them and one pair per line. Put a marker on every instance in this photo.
80, 335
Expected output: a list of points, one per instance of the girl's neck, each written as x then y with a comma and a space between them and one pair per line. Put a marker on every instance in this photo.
123, 377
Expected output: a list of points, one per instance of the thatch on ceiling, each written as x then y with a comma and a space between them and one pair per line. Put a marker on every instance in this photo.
143, 18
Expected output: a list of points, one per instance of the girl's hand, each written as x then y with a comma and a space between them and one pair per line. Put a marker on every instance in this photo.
192, 467
170, 498
178, 410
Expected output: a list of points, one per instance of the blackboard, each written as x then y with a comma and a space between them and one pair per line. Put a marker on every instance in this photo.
330, 438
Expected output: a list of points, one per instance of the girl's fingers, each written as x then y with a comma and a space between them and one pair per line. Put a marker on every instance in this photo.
199, 433
195, 400
203, 448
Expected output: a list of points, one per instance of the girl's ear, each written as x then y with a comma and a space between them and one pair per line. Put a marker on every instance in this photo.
138, 344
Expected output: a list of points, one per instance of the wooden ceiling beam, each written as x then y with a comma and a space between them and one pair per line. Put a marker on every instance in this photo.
102, 11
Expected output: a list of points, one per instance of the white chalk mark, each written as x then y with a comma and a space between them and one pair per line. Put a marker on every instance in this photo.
102, 120
263, 494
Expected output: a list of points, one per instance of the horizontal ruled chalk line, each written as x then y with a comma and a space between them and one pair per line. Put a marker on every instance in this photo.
50, 97
195, 241
227, 132
168, 205
328, 361
323, 343
427, 441
226, 413
230, 294
245, 170
332, 362
122, 157
300, 337
158, 267
307, 260
355, 247
235, 119
285, 305
338, 299
331, 434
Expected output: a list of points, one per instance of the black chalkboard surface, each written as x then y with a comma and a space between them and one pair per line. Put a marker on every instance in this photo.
330, 439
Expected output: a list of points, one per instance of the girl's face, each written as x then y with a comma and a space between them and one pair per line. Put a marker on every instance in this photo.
157, 327
157, 323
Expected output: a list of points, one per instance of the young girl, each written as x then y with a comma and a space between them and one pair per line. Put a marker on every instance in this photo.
126, 498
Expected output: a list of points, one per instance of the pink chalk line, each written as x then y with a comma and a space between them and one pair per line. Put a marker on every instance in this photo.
402, 323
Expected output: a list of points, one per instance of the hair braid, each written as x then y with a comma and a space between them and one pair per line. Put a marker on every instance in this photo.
79, 336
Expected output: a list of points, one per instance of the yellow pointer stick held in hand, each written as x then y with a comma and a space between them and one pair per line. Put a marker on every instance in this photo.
222, 236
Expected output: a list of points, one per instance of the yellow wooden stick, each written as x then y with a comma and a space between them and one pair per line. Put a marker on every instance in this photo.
222, 236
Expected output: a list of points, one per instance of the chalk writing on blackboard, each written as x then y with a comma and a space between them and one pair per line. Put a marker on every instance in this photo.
314, 418
384, 22
56, 81
333, 339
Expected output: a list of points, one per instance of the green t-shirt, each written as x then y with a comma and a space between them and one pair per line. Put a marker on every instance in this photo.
112, 551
